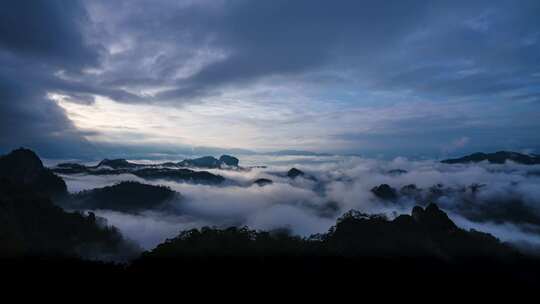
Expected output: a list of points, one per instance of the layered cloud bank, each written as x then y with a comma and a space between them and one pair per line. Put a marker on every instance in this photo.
89, 78
501, 199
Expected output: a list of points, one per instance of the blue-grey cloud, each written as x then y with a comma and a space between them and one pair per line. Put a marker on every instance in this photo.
485, 53
37, 39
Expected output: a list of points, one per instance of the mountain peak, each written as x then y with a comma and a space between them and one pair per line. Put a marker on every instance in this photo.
210, 162
24, 166
433, 217
293, 173
229, 160
24, 159
385, 192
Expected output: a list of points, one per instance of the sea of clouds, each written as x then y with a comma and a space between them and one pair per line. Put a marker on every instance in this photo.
334, 185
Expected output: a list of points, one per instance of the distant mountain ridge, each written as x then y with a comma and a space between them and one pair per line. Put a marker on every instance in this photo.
499, 157
210, 162
204, 162
169, 171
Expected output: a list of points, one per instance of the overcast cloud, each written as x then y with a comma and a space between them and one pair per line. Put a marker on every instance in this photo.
81, 78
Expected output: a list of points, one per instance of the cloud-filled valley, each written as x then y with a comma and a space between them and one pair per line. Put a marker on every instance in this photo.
498, 198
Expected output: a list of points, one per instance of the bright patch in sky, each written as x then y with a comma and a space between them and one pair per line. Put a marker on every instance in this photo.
232, 124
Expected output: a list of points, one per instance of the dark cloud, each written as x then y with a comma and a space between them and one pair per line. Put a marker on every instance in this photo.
177, 52
37, 39
435, 48
263, 39
46, 31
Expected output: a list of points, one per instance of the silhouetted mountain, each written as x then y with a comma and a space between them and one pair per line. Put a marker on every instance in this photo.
293, 173
31, 225
263, 182
385, 192
229, 160
124, 197
433, 218
119, 163
201, 162
180, 175
150, 172
210, 162
106, 166
396, 172
70, 168
24, 166
496, 158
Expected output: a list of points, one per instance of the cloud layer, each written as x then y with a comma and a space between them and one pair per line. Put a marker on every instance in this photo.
505, 202
410, 78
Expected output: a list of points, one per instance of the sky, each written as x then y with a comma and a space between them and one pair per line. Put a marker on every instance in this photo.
382, 78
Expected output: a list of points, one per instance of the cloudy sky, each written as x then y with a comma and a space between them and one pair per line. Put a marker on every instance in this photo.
419, 78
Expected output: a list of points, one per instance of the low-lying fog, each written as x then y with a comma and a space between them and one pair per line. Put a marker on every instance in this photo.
311, 205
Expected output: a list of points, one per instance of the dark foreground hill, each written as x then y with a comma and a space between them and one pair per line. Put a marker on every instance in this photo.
31, 225
425, 233
499, 157
423, 250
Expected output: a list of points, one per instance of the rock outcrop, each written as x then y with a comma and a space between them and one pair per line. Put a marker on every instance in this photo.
261, 182
385, 192
294, 173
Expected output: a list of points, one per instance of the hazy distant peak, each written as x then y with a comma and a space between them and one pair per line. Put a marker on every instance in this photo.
210, 162
116, 163
499, 157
